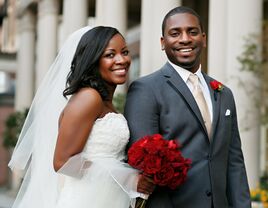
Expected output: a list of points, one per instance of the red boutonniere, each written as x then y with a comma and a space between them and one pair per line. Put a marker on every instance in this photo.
217, 87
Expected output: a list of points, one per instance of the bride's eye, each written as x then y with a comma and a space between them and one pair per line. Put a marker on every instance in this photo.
109, 55
126, 52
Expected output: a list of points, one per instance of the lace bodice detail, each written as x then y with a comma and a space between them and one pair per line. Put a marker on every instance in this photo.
108, 138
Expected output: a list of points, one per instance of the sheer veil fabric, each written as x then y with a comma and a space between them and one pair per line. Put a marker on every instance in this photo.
33, 154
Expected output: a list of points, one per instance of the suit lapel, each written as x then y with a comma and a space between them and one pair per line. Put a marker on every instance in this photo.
215, 99
177, 83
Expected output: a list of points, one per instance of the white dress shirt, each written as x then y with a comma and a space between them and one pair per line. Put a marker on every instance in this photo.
203, 85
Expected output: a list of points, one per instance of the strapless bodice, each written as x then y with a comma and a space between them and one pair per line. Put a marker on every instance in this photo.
108, 138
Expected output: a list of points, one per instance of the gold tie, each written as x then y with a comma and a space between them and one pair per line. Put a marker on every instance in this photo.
201, 102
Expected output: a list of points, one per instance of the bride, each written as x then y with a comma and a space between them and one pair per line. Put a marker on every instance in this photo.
71, 149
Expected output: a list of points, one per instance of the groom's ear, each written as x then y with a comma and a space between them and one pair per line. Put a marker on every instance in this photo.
162, 43
204, 39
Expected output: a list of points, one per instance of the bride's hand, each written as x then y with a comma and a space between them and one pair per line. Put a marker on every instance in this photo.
145, 184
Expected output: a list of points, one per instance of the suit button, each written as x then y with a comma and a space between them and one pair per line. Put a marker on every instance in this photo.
209, 158
208, 193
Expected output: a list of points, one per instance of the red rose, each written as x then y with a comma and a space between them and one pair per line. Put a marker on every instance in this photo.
177, 180
141, 142
136, 157
181, 169
157, 137
163, 176
172, 144
153, 147
215, 85
173, 156
153, 164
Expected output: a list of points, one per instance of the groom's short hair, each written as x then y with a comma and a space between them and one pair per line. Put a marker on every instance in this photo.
180, 10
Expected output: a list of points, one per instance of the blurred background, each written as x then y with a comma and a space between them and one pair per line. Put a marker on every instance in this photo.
32, 31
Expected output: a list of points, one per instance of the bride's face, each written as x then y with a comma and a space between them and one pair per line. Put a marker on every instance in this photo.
115, 61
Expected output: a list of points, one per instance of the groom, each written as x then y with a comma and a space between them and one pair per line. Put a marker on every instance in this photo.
201, 118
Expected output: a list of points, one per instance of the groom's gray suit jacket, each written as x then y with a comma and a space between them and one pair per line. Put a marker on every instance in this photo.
162, 103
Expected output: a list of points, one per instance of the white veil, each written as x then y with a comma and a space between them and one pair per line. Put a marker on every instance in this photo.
33, 154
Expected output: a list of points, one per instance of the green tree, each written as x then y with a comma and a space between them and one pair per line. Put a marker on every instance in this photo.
13, 126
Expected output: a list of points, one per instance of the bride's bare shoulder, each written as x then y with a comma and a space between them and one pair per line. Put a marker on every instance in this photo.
87, 101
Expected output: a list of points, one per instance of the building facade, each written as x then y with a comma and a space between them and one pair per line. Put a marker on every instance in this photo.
41, 26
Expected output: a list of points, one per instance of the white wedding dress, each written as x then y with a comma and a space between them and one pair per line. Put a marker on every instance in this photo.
95, 178
106, 182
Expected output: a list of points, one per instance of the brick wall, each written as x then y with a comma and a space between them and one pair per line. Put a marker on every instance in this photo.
5, 111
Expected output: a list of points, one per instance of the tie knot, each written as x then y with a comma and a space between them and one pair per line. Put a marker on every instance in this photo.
193, 78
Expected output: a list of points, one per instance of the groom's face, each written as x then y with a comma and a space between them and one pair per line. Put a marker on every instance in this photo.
183, 40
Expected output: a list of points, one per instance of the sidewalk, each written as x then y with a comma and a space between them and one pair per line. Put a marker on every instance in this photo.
6, 198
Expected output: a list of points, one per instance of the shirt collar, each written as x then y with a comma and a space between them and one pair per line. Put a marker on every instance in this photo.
185, 73
181, 71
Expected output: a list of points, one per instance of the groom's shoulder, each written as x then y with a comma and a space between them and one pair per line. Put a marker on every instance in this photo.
150, 77
153, 78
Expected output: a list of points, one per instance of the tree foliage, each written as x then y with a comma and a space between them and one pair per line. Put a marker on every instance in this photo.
13, 126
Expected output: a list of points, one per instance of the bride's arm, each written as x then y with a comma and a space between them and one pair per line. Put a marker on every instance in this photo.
75, 125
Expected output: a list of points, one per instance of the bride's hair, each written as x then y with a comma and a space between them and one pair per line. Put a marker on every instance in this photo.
85, 64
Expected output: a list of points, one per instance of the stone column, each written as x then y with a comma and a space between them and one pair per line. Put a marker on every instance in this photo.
230, 23
113, 13
153, 12
25, 57
46, 37
75, 14
25, 71
241, 25
217, 40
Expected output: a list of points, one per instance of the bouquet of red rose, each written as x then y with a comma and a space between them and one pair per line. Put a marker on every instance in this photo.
161, 159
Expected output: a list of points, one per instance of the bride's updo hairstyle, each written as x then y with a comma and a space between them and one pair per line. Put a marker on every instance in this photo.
85, 64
